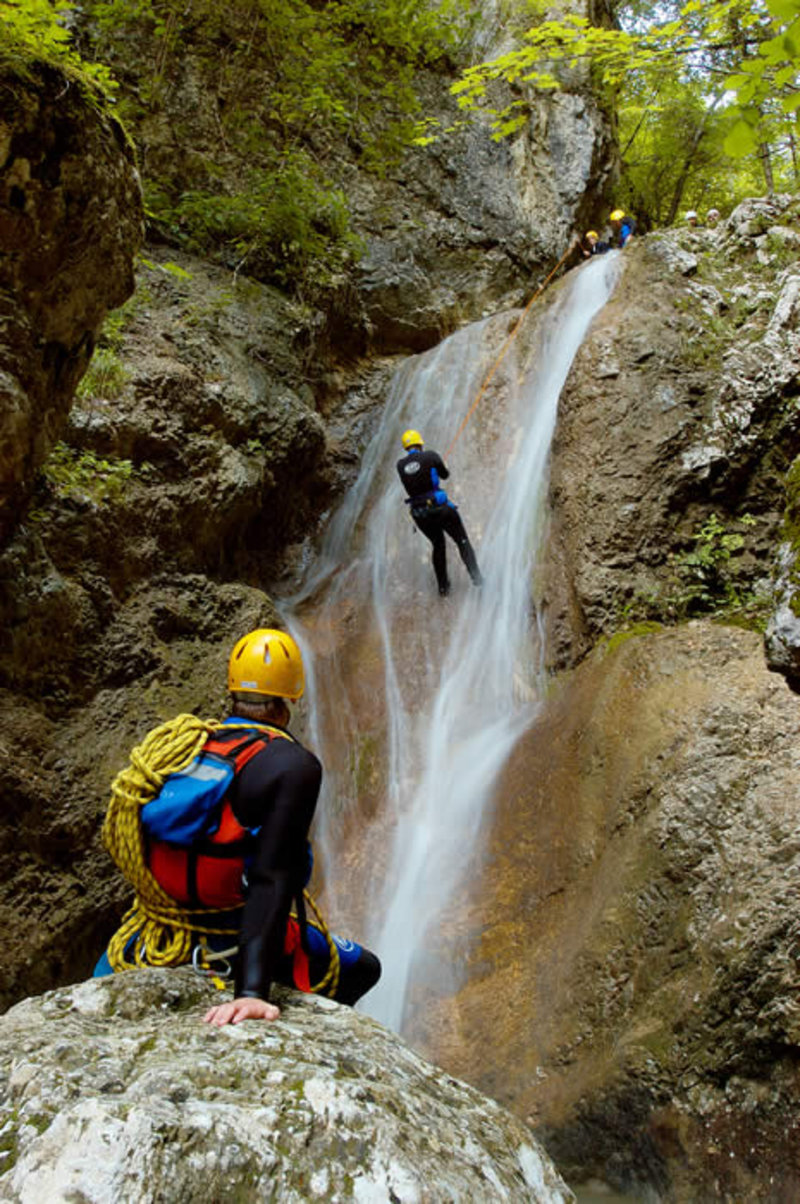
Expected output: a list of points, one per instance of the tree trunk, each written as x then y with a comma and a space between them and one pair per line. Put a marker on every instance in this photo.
680, 183
765, 156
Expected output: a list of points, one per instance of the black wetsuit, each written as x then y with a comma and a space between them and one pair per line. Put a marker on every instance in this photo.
421, 472
276, 792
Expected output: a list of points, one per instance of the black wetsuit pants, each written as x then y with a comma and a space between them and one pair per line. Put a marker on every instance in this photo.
357, 974
433, 524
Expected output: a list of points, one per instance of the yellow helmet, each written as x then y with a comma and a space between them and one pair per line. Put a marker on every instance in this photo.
617, 215
266, 662
412, 439
592, 234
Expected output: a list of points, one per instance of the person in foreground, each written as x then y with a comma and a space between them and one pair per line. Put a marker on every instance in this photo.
242, 861
421, 471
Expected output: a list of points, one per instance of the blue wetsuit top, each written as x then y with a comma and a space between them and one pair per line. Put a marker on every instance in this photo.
627, 228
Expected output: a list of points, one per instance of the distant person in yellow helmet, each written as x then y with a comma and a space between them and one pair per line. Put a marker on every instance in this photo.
432, 511
623, 225
242, 848
593, 245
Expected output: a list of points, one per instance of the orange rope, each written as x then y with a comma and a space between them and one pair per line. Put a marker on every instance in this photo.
505, 347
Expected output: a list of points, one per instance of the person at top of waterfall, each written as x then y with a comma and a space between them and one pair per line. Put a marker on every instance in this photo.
623, 225
251, 858
421, 472
691, 218
712, 218
593, 245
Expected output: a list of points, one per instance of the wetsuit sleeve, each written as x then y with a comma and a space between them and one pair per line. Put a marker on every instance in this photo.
277, 793
438, 463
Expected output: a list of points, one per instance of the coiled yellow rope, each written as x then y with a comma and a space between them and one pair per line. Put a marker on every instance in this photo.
163, 931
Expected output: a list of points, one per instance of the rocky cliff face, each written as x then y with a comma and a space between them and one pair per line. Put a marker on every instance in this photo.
448, 232
114, 1089
70, 223
469, 227
639, 917
635, 963
678, 410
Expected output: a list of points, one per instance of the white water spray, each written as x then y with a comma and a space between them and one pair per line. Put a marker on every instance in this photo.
460, 683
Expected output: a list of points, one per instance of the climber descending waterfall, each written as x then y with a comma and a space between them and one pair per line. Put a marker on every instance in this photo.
432, 511
420, 705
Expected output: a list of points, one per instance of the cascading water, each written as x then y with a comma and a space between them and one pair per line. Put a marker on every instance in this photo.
443, 688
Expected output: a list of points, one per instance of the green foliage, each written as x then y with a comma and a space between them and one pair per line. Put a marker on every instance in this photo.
706, 583
286, 226
696, 81
171, 269
38, 30
104, 377
84, 476
106, 373
289, 82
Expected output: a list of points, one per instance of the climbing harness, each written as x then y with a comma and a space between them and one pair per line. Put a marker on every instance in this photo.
509, 340
159, 932
202, 957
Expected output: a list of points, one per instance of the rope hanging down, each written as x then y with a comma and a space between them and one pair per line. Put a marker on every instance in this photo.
164, 933
505, 347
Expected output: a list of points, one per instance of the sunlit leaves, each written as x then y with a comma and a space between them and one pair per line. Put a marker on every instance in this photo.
741, 140
754, 43
38, 29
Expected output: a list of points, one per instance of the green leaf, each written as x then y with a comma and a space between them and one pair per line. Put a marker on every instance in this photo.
740, 141
784, 10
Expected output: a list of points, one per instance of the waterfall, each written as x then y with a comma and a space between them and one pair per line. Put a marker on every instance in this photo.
430, 693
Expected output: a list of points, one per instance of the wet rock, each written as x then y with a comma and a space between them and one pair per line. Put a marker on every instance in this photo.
649, 446
70, 224
115, 1089
782, 636
634, 959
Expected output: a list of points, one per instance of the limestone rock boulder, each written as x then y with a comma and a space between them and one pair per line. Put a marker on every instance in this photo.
115, 1089
70, 224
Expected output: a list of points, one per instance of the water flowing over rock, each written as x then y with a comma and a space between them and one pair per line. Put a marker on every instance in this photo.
687, 410
115, 1090
636, 932
405, 674
70, 224
630, 977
